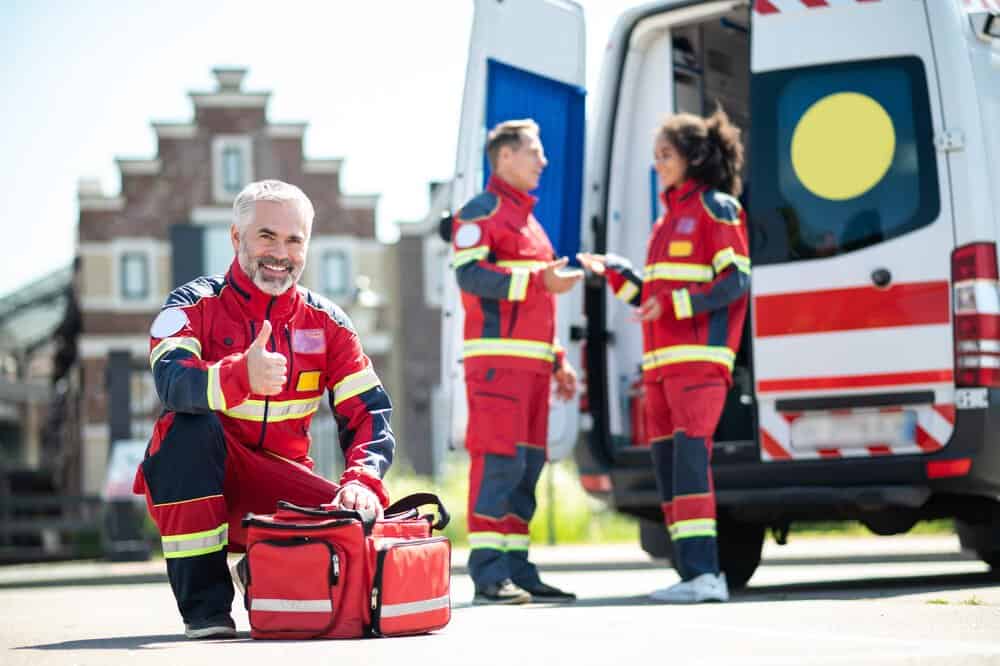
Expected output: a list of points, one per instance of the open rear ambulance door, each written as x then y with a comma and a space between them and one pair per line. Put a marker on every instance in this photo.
851, 232
526, 60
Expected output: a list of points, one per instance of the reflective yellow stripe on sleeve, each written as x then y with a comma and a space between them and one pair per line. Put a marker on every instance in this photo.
216, 398
518, 289
469, 255
355, 384
726, 257
627, 291
167, 345
682, 303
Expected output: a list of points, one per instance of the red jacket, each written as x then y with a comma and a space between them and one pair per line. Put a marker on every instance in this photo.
698, 267
197, 353
500, 249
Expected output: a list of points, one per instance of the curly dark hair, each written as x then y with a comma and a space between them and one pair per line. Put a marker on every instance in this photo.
710, 146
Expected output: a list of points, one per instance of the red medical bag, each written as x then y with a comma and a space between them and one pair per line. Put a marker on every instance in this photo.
326, 573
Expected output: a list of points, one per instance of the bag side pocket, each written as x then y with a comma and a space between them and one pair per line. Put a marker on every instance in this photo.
411, 588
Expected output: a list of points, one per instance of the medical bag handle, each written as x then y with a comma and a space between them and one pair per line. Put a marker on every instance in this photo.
416, 500
327, 513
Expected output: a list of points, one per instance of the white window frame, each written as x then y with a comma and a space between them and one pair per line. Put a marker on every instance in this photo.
319, 248
220, 145
124, 291
153, 248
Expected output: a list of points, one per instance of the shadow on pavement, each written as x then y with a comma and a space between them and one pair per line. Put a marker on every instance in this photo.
115, 643
583, 567
902, 558
135, 579
866, 588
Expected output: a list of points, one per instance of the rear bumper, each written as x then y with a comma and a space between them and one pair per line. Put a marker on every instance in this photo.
834, 488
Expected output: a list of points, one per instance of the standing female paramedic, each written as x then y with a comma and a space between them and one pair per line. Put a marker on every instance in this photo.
692, 300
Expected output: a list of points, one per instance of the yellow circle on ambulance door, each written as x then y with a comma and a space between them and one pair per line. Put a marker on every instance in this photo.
843, 145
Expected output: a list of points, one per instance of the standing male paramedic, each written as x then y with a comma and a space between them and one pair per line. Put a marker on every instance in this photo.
509, 276
241, 362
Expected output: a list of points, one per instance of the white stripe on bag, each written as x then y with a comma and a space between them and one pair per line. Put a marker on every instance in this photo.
413, 607
292, 605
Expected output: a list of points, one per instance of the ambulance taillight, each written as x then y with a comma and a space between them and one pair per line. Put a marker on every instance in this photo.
976, 296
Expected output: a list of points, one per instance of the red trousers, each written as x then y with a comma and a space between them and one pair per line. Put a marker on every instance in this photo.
506, 438
199, 483
682, 413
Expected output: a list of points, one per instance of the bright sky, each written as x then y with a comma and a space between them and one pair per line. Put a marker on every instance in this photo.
380, 83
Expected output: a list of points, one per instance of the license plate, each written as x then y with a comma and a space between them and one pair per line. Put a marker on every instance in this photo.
811, 432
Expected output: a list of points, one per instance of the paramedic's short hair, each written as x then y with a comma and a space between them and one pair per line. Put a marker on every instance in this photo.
269, 190
508, 133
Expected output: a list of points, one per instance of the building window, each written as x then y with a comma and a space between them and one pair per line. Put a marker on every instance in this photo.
232, 166
335, 276
134, 276
232, 170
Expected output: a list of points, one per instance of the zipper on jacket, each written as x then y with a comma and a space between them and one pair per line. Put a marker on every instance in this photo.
291, 357
267, 399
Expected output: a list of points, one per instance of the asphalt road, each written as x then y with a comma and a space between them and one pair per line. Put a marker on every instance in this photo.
888, 600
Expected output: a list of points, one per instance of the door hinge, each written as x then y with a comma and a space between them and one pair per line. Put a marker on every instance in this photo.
949, 141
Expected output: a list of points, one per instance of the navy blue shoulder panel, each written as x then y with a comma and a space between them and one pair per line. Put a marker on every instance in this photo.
721, 206
332, 310
480, 206
194, 291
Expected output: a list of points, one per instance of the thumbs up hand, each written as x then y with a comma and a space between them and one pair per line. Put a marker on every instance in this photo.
267, 370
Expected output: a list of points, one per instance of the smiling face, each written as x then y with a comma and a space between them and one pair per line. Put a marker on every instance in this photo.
272, 246
670, 165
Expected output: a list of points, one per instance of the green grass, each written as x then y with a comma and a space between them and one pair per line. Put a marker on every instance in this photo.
855, 528
565, 514
938, 602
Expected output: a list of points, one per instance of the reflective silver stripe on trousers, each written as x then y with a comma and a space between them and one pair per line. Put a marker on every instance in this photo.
292, 605
414, 607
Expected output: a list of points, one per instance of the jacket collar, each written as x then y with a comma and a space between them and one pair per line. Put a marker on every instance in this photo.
520, 199
254, 302
673, 196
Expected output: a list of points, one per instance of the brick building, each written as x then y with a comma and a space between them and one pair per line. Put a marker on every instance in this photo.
170, 223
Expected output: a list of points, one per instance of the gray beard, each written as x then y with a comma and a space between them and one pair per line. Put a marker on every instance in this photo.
272, 287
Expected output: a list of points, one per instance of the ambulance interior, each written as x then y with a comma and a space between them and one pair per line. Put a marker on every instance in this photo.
676, 62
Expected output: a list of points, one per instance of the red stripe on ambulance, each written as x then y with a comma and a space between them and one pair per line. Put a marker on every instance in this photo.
780, 6
888, 379
854, 308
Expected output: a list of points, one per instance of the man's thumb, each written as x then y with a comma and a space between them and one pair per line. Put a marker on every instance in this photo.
260, 341
559, 263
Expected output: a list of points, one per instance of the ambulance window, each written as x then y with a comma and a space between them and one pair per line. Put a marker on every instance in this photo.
842, 158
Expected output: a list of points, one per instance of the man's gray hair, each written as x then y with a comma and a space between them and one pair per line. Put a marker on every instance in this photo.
269, 190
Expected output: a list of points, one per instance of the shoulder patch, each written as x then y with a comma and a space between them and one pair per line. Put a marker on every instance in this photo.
722, 207
332, 310
168, 322
468, 235
195, 290
479, 207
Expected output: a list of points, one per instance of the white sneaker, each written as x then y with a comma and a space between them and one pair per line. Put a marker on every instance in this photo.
706, 587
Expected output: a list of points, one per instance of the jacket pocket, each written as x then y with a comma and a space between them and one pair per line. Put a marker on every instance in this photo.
495, 423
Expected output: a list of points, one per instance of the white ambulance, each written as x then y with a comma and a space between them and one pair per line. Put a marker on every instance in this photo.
868, 383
